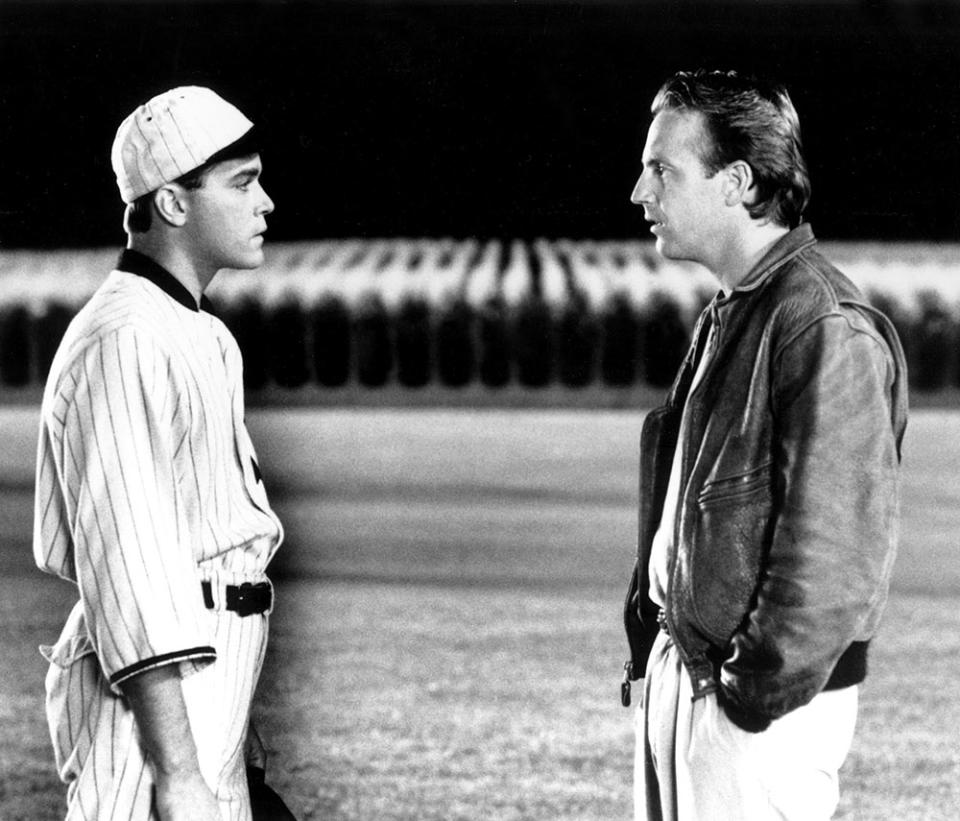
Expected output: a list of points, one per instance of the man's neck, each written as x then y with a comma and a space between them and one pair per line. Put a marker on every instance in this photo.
744, 252
178, 263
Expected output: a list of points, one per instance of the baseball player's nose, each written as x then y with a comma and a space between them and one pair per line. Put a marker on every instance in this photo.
266, 204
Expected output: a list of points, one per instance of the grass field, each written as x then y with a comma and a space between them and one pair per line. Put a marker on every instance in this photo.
447, 642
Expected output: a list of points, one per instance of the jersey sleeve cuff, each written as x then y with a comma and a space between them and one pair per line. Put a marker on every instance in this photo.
191, 654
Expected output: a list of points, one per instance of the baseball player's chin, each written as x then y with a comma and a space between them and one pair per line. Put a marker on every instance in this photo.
250, 258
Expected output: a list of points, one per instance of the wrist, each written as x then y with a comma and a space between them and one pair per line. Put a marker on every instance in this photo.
184, 771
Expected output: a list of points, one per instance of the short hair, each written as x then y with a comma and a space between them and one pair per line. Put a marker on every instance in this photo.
751, 120
139, 216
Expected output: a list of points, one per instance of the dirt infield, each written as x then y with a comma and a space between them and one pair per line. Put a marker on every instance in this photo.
523, 496
514, 496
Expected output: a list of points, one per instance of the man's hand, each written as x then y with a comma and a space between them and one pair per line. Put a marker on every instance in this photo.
185, 797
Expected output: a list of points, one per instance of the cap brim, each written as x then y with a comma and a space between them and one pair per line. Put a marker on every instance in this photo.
249, 143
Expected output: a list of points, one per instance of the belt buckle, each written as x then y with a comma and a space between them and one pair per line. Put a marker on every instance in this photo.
251, 599
662, 621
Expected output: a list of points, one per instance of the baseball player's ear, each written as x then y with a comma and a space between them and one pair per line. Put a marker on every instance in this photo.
169, 204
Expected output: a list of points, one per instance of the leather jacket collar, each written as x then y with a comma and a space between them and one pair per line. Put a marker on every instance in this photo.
786, 248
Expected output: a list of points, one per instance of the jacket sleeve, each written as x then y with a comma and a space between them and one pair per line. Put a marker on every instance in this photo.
834, 532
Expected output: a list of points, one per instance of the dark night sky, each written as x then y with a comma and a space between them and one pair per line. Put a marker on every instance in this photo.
475, 119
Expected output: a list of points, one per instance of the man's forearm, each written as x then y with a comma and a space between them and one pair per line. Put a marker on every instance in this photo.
156, 699
161, 714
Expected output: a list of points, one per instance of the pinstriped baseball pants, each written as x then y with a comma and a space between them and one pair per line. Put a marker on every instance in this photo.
95, 739
693, 764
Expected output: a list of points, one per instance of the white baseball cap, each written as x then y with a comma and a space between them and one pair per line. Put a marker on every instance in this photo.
170, 135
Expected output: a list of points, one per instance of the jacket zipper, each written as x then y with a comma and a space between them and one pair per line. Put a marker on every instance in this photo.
711, 345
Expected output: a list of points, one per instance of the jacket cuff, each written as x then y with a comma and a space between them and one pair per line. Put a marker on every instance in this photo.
746, 720
851, 668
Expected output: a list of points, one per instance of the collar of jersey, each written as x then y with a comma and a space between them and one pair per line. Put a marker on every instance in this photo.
134, 262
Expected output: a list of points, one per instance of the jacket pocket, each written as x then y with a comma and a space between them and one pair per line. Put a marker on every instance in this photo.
731, 488
730, 539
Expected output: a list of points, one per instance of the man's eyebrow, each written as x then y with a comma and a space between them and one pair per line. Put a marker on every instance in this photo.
246, 174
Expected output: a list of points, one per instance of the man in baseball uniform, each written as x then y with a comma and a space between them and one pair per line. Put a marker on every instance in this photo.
149, 495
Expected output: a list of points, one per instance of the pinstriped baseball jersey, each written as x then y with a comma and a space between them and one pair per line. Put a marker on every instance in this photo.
147, 484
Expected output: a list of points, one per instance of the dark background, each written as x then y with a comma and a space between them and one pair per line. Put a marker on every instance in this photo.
475, 119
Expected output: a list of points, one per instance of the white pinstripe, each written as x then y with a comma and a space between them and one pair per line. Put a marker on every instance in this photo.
146, 486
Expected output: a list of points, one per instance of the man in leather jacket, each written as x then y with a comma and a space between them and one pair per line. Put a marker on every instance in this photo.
769, 481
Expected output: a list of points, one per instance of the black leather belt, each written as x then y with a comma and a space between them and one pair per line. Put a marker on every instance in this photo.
245, 600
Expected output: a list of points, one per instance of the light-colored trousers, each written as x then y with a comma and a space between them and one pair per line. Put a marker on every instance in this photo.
95, 739
693, 764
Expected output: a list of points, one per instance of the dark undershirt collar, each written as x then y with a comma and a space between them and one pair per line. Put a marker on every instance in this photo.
135, 262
